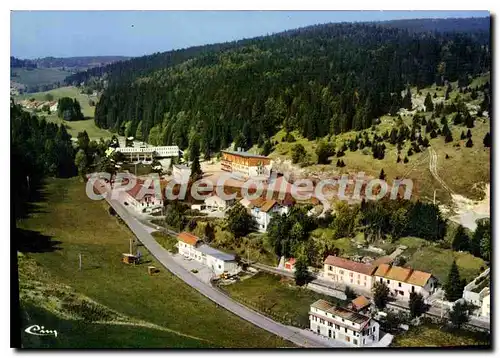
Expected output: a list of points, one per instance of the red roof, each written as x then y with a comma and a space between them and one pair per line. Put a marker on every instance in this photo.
350, 265
291, 261
188, 238
139, 185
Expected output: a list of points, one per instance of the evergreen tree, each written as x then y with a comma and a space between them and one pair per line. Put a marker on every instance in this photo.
398, 160
301, 274
298, 153
469, 134
194, 157
407, 102
459, 315
81, 162
429, 106
469, 143
462, 135
380, 294
381, 175
239, 222
405, 160
460, 240
487, 140
454, 286
416, 304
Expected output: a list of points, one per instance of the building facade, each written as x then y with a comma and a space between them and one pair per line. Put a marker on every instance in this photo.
343, 325
402, 281
485, 308
347, 272
262, 210
219, 262
145, 202
216, 203
245, 164
476, 290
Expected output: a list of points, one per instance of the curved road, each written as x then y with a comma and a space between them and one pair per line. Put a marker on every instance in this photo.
291, 334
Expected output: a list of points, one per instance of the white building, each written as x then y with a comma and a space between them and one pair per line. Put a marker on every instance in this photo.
476, 290
53, 106
343, 325
144, 201
402, 281
485, 309
220, 262
148, 153
181, 173
354, 274
262, 211
216, 203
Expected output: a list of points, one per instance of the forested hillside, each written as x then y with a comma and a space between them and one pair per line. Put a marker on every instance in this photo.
319, 80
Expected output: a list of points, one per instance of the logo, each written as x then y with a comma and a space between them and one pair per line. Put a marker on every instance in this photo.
37, 330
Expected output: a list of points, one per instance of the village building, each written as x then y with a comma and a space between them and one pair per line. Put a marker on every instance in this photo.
141, 199
476, 290
246, 165
343, 325
181, 173
354, 274
147, 154
290, 264
219, 262
216, 203
360, 304
262, 211
485, 308
402, 281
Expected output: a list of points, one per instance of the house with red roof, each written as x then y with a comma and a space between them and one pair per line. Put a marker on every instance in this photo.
262, 210
143, 199
350, 273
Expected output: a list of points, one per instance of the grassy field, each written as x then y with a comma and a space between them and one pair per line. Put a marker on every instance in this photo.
77, 126
278, 297
434, 336
80, 334
69, 224
165, 240
38, 76
438, 261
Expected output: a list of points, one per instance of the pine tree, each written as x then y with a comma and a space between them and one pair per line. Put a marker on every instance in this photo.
429, 106
405, 160
448, 137
380, 294
454, 286
469, 143
460, 240
458, 315
416, 304
407, 102
462, 135
487, 140
301, 271
194, 157
469, 134
398, 160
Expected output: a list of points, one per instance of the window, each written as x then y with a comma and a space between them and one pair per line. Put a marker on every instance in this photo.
388, 281
373, 329
412, 288
358, 282
358, 275
351, 280
350, 274
355, 341
330, 268
345, 329
381, 281
337, 326
330, 324
348, 339
399, 284
219, 267
341, 272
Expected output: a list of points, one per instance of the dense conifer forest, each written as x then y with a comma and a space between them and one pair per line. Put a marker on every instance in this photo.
320, 80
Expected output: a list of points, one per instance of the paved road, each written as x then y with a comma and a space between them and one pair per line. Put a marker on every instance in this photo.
291, 334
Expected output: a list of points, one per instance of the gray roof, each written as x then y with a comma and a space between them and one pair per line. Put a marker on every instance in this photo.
244, 154
215, 253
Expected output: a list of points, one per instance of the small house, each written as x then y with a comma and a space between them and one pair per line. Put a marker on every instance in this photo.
290, 264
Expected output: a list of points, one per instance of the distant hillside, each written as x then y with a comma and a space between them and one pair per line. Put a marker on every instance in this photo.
43, 74
319, 80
